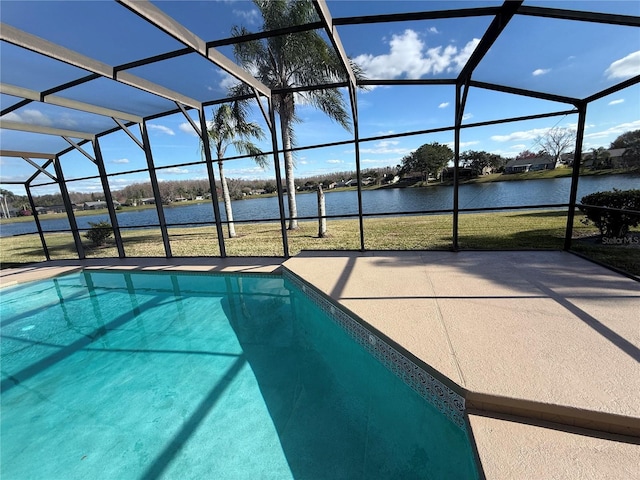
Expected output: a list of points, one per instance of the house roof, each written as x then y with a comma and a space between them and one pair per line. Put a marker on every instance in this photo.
522, 162
613, 153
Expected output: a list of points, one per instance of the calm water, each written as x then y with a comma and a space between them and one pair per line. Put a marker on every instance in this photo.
113, 375
487, 195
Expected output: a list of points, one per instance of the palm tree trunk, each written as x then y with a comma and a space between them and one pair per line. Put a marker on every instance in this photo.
227, 200
3, 204
288, 168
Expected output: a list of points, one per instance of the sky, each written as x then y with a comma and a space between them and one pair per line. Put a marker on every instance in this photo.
574, 59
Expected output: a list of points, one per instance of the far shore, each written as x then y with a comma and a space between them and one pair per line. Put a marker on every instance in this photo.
495, 177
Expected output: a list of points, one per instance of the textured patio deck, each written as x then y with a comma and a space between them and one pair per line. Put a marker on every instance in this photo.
545, 346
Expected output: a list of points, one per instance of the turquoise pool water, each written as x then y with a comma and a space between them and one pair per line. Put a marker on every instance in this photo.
116, 375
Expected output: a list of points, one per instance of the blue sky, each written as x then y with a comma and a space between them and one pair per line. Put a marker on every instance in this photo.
567, 58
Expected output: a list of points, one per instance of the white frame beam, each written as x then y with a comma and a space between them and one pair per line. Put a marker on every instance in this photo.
164, 22
29, 94
20, 154
27, 127
325, 15
44, 47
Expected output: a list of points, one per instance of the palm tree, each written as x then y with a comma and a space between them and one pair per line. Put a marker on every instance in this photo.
4, 207
601, 158
229, 127
293, 60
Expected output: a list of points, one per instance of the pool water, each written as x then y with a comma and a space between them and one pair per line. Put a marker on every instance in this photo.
136, 375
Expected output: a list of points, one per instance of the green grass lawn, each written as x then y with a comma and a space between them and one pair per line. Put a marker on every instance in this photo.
485, 231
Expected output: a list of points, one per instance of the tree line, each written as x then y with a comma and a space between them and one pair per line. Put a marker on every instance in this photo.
428, 159
431, 159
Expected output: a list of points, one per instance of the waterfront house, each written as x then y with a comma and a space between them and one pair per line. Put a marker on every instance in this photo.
613, 158
98, 205
533, 164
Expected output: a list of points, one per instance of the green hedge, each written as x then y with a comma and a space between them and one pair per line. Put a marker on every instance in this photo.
612, 223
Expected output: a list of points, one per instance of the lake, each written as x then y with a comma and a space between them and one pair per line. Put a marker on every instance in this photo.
394, 200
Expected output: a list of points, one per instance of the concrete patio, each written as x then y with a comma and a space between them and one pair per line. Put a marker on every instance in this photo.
545, 346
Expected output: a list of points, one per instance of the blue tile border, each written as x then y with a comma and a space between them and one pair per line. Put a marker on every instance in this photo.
447, 401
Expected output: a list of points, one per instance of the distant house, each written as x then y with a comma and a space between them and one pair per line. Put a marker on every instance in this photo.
98, 205
331, 185
368, 181
147, 201
180, 199
51, 209
534, 164
390, 179
94, 205
463, 173
614, 160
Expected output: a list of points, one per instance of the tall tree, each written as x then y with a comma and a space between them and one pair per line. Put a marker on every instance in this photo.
429, 158
478, 161
230, 127
626, 140
526, 154
4, 206
294, 60
601, 158
556, 141
630, 141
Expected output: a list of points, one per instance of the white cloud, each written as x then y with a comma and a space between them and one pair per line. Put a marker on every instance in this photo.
161, 128
382, 162
467, 116
433, 30
246, 173
520, 146
250, 16
187, 128
617, 130
540, 71
443, 105
616, 102
228, 81
409, 57
120, 160
462, 144
522, 135
174, 170
87, 186
513, 152
335, 161
625, 67
118, 183
30, 116
385, 147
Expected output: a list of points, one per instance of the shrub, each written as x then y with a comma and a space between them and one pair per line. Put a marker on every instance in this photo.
99, 232
612, 223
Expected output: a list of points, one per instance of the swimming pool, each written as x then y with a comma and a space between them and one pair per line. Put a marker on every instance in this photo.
115, 374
